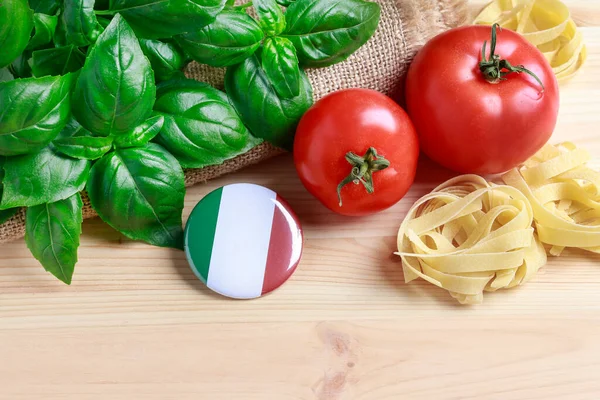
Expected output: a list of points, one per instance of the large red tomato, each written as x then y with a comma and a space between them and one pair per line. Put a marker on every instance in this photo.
360, 142
471, 114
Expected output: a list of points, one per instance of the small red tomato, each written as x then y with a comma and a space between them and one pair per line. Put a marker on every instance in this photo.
482, 114
356, 151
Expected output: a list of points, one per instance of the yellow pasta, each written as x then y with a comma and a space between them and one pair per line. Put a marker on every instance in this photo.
547, 24
469, 236
564, 194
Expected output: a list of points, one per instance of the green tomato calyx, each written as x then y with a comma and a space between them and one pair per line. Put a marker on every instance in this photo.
495, 69
362, 170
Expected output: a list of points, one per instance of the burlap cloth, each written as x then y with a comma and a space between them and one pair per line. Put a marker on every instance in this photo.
380, 64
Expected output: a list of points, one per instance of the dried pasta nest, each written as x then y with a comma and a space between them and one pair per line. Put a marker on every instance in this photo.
469, 236
564, 194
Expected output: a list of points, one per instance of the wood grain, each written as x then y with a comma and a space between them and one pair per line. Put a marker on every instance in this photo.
137, 324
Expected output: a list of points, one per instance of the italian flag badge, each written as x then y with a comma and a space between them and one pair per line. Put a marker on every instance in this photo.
243, 241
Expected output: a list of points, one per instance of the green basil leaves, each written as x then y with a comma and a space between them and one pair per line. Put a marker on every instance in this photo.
270, 16
263, 111
201, 127
139, 192
57, 61
269, 90
44, 6
33, 112
166, 59
45, 25
109, 109
326, 32
280, 64
43, 177
6, 75
79, 21
115, 90
230, 39
142, 134
77, 142
16, 23
155, 19
52, 234
20, 66
5, 215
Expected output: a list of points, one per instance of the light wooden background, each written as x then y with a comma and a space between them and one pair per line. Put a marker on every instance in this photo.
137, 324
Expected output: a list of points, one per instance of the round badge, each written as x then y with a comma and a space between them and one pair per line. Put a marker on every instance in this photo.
243, 241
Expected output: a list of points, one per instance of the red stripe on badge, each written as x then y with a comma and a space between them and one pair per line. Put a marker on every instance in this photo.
285, 247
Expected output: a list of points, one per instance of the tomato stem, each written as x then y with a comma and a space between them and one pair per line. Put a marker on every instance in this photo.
495, 68
362, 170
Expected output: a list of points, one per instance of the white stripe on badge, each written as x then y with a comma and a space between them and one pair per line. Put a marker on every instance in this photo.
239, 254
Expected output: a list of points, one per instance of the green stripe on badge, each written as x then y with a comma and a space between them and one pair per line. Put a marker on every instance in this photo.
200, 233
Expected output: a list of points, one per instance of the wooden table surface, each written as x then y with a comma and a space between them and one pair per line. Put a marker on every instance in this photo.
136, 323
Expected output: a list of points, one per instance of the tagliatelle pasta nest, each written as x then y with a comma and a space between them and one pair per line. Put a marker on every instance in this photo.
564, 194
547, 24
469, 236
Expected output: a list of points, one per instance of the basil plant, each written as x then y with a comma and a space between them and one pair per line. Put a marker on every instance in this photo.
93, 98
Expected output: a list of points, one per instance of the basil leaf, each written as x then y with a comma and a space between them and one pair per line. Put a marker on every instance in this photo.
103, 22
285, 3
184, 54
5, 75
20, 67
142, 134
155, 19
44, 177
79, 21
57, 61
165, 58
49, 7
115, 90
34, 111
77, 142
2, 162
84, 147
52, 234
326, 32
45, 25
270, 16
5, 215
140, 191
230, 39
16, 23
280, 64
266, 114
102, 4
60, 34
201, 127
